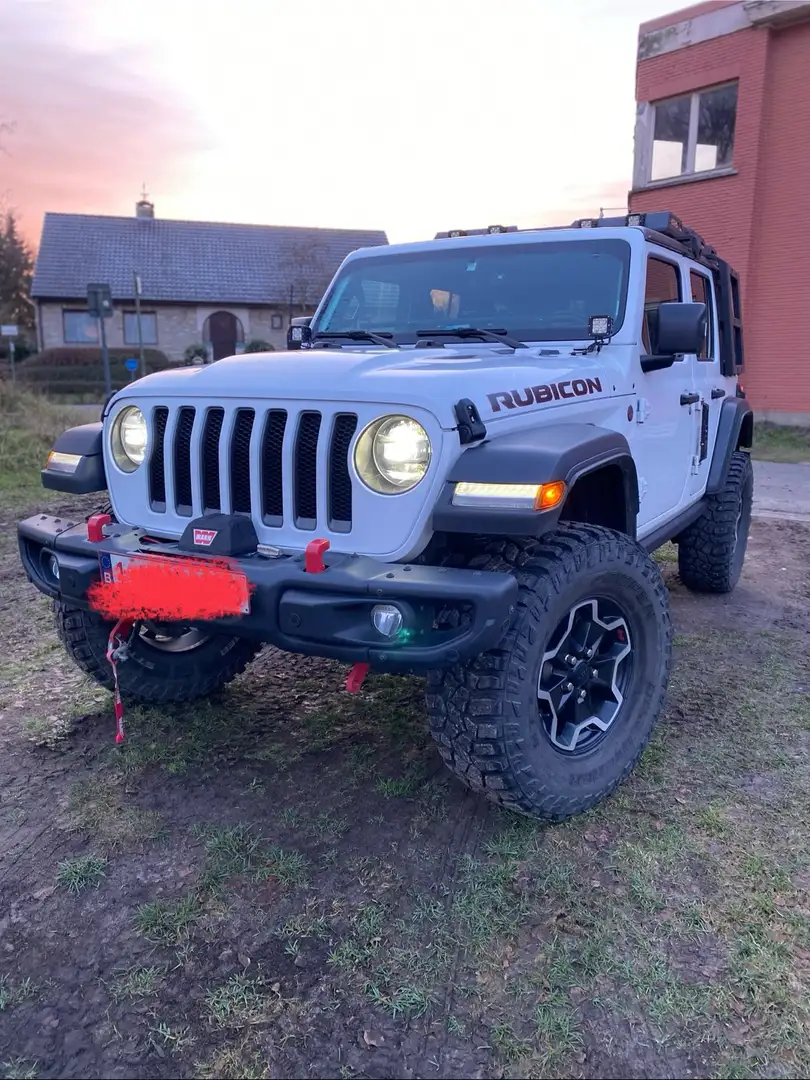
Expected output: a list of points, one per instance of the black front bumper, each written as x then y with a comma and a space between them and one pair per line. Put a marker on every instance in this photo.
450, 615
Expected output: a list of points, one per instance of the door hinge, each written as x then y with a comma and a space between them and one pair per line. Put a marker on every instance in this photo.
642, 410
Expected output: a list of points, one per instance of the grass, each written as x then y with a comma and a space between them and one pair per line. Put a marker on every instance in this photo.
773, 442
243, 1001
168, 922
29, 423
99, 807
137, 982
19, 1069
81, 872
15, 993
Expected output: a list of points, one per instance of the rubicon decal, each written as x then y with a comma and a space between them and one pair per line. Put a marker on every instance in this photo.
204, 537
538, 395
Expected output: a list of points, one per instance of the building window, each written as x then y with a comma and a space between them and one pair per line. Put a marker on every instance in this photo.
79, 328
694, 134
702, 294
148, 328
276, 322
663, 287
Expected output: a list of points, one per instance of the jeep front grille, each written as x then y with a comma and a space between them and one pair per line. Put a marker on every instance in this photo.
286, 448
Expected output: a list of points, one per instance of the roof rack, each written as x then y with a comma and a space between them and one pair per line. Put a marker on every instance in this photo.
659, 221
662, 222
490, 230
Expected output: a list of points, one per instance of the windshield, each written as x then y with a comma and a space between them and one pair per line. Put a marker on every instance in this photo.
536, 292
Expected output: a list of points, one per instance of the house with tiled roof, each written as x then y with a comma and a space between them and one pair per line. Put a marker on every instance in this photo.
219, 285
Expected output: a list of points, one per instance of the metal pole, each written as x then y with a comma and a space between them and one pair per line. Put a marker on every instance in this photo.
11, 361
105, 358
137, 282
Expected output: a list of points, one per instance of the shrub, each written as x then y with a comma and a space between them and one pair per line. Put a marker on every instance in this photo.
257, 345
77, 373
193, 351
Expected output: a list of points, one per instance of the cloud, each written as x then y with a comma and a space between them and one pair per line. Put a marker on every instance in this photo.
87, 126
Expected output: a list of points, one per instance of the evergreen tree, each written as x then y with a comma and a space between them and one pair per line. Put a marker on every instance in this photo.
16, 272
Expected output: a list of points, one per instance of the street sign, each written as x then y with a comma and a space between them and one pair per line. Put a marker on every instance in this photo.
9, 330
131, 363
99, 301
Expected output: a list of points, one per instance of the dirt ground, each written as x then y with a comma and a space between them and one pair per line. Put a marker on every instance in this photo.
286, 883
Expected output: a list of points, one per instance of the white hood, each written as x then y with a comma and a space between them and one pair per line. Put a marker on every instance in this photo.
433, 379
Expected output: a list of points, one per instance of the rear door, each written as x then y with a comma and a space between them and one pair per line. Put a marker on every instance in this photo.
708, 382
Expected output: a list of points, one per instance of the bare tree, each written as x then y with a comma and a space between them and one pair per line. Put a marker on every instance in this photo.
6, 128
308, 273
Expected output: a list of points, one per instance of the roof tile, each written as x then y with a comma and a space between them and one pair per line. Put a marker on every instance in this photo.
190, 261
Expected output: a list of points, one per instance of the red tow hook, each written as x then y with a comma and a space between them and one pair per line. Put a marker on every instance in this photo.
313, 556
356, 678
95, 527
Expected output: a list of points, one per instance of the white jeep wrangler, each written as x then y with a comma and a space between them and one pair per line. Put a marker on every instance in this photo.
460, 469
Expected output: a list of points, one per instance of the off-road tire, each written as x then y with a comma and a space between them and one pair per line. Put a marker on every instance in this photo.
484, 713
150, 675
711, 551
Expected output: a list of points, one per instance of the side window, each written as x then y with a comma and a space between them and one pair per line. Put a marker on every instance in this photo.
702, 294
663, 286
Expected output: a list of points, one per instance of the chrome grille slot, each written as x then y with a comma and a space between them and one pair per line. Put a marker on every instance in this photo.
306, 470
272, 467
182, 461
240, 461
157, 476
340, 481
209, 459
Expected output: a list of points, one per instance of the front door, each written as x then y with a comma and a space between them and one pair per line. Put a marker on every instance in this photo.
664, 430
223, 334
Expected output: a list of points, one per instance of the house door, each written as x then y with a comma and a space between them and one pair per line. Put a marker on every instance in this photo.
223, 333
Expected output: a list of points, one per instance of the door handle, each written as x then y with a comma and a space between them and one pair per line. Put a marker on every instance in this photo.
718, 392
689, 399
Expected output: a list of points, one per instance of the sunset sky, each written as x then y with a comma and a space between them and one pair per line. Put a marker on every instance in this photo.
405, 115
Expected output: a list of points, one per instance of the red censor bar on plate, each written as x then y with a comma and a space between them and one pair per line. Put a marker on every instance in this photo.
169, 589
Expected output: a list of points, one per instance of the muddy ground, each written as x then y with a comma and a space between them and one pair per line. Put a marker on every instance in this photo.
286, 883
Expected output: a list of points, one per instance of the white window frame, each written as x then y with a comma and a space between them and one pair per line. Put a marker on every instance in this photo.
691, 141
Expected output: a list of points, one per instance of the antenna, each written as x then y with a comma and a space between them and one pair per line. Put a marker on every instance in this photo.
144, 193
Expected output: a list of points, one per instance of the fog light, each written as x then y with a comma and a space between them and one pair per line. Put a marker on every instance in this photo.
387, 619
54, 567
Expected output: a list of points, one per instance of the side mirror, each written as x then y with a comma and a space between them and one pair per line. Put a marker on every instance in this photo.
298, 332
679, 328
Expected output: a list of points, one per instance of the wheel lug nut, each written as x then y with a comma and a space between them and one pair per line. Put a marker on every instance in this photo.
569, 686
582, 696
570, 659
594, 672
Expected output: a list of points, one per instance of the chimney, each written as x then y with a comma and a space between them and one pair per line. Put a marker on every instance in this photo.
143, 207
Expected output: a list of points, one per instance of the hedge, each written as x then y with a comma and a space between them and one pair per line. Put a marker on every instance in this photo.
79, 373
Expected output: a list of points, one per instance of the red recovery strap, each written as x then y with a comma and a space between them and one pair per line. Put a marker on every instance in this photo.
117, 648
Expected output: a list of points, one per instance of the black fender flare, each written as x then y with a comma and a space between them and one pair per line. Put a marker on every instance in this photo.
85, 441
735, 429
537, 455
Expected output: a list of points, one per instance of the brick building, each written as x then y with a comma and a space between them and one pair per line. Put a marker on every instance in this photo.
723, 140
202, 283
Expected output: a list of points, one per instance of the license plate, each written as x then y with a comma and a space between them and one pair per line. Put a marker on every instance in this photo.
168, 588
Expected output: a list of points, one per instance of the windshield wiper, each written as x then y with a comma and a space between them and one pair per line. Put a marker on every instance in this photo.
359, 335
498, 335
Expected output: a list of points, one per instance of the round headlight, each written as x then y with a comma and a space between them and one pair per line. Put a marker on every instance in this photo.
129, 438
392, 454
